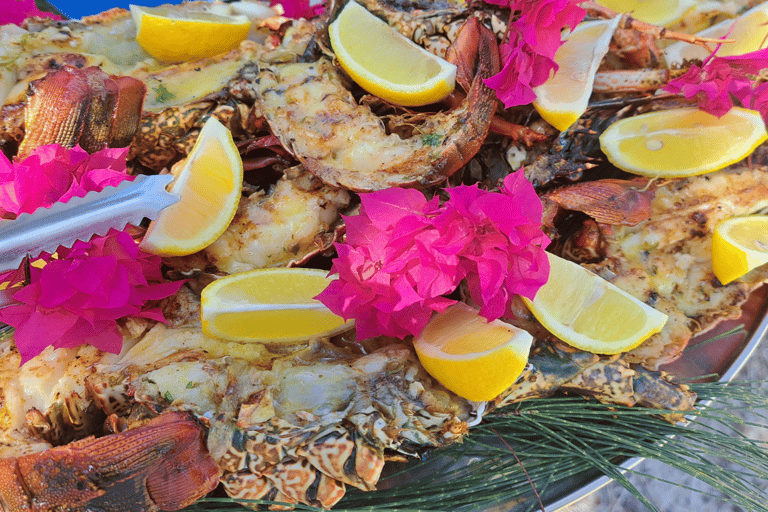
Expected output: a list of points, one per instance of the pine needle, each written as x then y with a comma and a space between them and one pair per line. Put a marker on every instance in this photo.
576, 440
739, 329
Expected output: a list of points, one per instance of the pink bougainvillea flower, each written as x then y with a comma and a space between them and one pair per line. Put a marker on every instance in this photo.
528, 52
404, 254
79, 297
750, 63
759, 100
389, 279
503, 250
514, 83
16, 11
709, 85
55, 174
542, 21
719, 80
300, 8
746, 88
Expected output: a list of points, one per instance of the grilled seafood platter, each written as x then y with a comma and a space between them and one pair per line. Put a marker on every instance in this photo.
175, 414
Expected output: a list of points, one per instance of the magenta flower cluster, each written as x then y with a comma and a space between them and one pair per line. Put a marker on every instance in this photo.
404, 254
53, 174
16, 11
300, 8
721, 80
528, 51
78, 295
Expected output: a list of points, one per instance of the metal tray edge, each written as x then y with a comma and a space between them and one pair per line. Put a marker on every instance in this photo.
760, 334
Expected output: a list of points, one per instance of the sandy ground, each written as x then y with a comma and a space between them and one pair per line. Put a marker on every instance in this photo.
670, 498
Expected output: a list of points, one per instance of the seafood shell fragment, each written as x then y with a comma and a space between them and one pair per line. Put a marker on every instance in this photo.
83, 107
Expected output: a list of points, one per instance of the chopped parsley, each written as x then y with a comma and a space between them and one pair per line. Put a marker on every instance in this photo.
431, 139
163, 95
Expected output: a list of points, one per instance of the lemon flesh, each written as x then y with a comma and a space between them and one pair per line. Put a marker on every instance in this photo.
269, 305
564, 97
749, 32
387, 64
177, 36
682, 142
656, 12
591, 314
470, 356
209, 183
739, 245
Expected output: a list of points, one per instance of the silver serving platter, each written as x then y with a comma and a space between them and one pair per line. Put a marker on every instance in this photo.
725, 357
718, 352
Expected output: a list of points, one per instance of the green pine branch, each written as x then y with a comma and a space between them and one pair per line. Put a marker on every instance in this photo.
545, 441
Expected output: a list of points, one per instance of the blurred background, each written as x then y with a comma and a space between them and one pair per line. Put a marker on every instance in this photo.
78, 8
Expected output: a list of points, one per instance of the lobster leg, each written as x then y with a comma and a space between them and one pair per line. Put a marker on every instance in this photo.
609, 379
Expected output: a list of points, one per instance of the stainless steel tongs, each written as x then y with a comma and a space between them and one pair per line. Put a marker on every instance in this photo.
80, 218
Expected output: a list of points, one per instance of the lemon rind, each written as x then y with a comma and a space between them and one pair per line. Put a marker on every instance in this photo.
212, 332
148, 38
176, 246
609, 145
518, 339
211, 306
749, 259
674, 53
193, 16
555, 114
431, 91
655, 321
684, 7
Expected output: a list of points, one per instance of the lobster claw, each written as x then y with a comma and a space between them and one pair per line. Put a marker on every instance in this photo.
476, 55
475, 47
163, 465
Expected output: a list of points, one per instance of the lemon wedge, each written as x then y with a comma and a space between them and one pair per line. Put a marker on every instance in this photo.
273, 305
656, 12
591, 314
563, 98
173, 35
749, 32
472, 357
387, 64
739, 244
682, 142
210, 183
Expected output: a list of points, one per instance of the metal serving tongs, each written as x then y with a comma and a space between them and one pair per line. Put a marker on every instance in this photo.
80, 218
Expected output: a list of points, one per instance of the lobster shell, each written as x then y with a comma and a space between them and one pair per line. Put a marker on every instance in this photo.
163, 465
